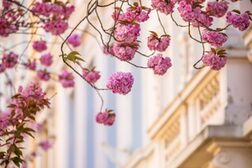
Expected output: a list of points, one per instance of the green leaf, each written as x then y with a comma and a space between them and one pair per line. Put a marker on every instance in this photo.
17, 151
74, 57
17, 161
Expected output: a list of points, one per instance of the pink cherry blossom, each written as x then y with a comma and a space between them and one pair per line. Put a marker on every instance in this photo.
120, 82
187, 12
127, 32
10, 60
213, 60
110, 120
240, 21
56, 27
66, 79
48, 9
217, 8
163, 6
74, 40
108, 50
143, 15
46, 59
32, 65
202, 20
39, 127
159, 44
136, 13
46, 144
214, 38
159, 64
125, 52
43, 75
30, 97
91, 76
39, 45
101, 117
54, 14
106, 118
8, 25
69, 9
133, 14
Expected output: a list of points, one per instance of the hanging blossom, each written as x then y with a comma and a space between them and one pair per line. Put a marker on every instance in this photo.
216, 39
46, 59
45, 144
107, 117
187, 12
192, 13
108, 50
127, 33
120, 82
240, 21
43, 75
215, 60
56, 15
159, 64
56, 27
158, 44
11, 19
66, 79
134, 13
39, 45
92, 76
203, 20
217, 8
163, 6
74, 40
10, 60
31, 65
125, 51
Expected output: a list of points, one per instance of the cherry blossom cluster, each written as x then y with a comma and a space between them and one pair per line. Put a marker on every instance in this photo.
238, 20
10, 19
92, 76
55, 15
74, 40
15, 121
127, 30
44, 73
120, 82
9, 60
159, 64
39, 45
107, 117
25, 104
158, 43
215, 59
214, 38
66, 78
